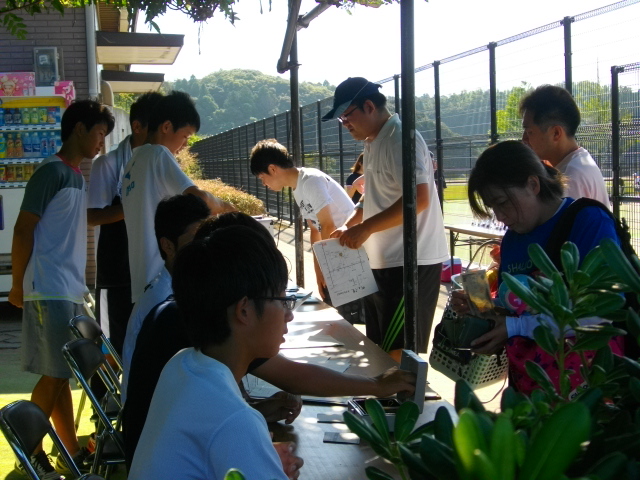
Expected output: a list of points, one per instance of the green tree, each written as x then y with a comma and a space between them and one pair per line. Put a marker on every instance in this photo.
509, 120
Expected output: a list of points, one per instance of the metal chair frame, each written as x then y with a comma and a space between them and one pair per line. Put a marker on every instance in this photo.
84, 326
85, 359
24, 425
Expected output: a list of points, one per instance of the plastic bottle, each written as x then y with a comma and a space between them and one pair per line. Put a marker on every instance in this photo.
51, 115
35, 117
18, 151
26, 145
10, 146
1, 117
3, 146
26, 117
35, 144
52, 143
43, 115
8, 116
17, 116
44, 145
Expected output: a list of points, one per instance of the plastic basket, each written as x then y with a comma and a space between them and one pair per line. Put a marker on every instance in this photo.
475, 369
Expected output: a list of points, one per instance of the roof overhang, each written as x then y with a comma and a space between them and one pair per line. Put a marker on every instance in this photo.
137, 48
132, 82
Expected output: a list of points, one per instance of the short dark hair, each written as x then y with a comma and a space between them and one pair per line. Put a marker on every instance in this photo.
174, 214
229, 219
269, 152
178, 108
377, 98
212, 274
510, 164
551, 105
142, 108
88, 112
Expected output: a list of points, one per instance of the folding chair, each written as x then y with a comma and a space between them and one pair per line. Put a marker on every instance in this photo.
24, 425
85, 359
84, 326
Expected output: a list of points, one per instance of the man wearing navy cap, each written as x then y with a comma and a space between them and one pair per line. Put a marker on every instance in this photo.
361, 109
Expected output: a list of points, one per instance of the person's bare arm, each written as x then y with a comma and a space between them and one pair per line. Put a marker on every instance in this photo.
21, 251
308, 379
215, 204
104, 216
391, 217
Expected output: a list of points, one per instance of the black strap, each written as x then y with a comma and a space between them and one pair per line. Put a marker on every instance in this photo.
562, 230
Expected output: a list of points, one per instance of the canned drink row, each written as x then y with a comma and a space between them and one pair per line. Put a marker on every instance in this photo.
16, 173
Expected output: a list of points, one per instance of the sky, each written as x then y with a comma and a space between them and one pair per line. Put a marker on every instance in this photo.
362, 42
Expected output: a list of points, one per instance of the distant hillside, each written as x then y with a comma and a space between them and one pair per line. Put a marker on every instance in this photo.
229, 98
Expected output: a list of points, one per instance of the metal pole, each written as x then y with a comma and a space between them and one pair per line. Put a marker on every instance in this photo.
568, 78
493, 96
319, 123
615, 138
396, 87
246, 144
297, 152
341, 156
266, 190
439, 142
409, 173
278, 194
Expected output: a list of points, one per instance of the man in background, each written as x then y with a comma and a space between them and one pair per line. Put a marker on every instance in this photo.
550, 119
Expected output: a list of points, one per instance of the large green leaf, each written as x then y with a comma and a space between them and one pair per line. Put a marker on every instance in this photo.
618, 262
538, 374
364, 430
609, 467
467, 438
525, 294
559, 290
557, 443
376, 412
414, 462
406, 419
466, 398
234, 474
484, 469
547, 341
593, 262
511, 398
374, 473
541, 260
594, 337
503, 453
570, 258
437, 457
443, 426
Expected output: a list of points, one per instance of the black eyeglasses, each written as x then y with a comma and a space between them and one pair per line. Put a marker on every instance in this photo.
287, 302
345, 116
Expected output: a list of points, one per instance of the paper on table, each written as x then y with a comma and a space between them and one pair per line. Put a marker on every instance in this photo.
346, 271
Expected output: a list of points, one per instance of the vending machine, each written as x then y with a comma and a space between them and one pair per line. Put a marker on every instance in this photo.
29, 132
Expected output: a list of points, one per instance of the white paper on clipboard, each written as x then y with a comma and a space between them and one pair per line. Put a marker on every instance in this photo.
346, 271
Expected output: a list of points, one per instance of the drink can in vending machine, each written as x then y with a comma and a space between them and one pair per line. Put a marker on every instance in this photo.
19, 173
11, 173
27, 172
3, 174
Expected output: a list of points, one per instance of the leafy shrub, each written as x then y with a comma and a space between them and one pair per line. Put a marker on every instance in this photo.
189, 164
244, 201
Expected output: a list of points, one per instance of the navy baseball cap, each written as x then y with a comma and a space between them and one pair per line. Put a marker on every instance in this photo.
348, 91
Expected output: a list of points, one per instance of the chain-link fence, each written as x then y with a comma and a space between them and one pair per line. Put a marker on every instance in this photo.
470, 100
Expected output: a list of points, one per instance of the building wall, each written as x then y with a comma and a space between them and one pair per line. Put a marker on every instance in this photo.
68, 33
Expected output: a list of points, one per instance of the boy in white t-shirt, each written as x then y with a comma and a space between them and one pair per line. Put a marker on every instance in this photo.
246, 319
322, 201
153, 174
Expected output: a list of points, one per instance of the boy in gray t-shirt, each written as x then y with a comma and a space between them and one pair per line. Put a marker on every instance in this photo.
48, 259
